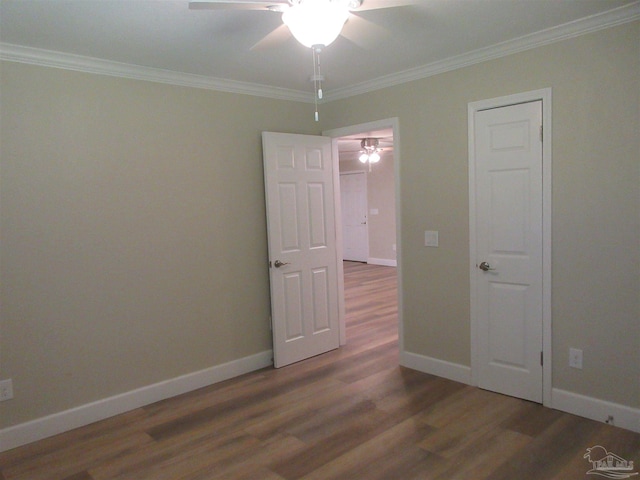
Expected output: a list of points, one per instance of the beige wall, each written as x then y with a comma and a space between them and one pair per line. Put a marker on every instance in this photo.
134, 241
596, 202
381, 196
133, 233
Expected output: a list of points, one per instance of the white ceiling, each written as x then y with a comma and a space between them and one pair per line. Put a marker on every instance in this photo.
409, 41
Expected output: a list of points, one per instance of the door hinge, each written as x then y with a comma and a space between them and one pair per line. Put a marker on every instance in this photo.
541, 359
541, 133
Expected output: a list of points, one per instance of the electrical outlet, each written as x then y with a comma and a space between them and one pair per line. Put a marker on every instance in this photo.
575, 358
6, 390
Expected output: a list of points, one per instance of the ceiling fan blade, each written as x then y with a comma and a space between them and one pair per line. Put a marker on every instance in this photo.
377, 4
362, 32
273, 39
238, 4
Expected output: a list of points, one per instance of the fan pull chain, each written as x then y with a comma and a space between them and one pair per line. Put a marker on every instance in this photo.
319, 74
317, 77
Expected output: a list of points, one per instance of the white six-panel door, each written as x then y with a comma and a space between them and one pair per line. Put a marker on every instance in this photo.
355, 232
508, 235
302, 245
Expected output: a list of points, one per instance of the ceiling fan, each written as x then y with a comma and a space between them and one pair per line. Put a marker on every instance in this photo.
314, 23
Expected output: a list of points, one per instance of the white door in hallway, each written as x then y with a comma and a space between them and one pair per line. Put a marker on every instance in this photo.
303, 261
353, 198
507, 280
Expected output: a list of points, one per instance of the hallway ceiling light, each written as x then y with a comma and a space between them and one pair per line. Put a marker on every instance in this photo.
370, 152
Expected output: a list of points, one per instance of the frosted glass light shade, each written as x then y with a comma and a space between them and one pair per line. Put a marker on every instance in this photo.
316, 22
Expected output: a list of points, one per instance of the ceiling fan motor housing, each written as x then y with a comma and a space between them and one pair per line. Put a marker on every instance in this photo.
369, 143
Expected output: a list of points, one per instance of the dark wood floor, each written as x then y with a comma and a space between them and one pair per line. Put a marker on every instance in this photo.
350, 414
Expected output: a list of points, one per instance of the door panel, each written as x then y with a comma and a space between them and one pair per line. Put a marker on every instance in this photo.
289, 240
507, 324
317, 215
302, 246
508, 166
292, 289
320, 285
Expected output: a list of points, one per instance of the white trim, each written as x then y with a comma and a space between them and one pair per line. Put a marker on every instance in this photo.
610, 18
596, 409
49, 58
394, 123
545, 95
569, 402
60, 422
67, 61
385, 262
435, 366
339, 241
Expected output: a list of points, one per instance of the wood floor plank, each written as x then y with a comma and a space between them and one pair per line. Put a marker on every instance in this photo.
80, 476
122, 424
482, 453
354, 430
293, 413
532, 419
76, 457
350, 414
554, 447
391, 454
254, 461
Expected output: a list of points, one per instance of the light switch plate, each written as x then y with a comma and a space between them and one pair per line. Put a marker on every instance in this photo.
6, 390
431, 238
575, 358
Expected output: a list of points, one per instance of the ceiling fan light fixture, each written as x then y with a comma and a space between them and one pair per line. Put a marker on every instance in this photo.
370, 152
316, 22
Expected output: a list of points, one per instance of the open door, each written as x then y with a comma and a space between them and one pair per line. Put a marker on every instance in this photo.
303, 270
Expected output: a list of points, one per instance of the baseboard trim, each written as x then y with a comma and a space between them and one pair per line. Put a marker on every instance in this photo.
434, 366
21, 434
596, 409
385, 262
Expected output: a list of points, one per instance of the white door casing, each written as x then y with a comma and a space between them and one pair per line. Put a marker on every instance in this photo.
508, 296
353, 194
302, 245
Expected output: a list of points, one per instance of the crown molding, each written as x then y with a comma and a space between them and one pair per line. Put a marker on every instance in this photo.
50, 58
611, 18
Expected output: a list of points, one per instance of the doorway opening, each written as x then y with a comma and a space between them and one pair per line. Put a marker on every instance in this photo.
368, 225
